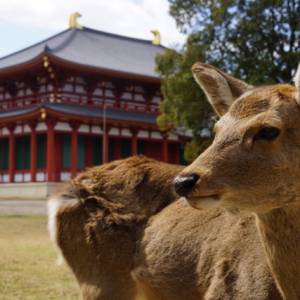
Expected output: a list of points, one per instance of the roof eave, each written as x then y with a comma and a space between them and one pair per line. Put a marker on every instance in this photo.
18, 68
32, 115
92, 69
35, 114
12, 70
96, 120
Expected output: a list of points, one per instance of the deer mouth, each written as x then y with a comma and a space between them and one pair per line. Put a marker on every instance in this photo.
204, 201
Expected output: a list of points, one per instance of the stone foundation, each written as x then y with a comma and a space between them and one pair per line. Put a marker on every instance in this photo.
27, 191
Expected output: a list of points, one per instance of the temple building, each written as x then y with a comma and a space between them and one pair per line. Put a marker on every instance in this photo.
77, 99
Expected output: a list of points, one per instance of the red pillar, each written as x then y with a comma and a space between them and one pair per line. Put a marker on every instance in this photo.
165, 148
134, 146
11, 157
33, 152
105, 148
74, 149
50, 151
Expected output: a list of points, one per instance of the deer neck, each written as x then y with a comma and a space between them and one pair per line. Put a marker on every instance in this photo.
279, 231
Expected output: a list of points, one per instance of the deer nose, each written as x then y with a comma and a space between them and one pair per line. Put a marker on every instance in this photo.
184, 184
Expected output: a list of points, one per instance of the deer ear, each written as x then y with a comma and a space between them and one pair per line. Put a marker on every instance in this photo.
220, 88
297, 85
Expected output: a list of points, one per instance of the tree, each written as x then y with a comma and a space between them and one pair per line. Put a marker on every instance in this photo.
184, 108
258, 41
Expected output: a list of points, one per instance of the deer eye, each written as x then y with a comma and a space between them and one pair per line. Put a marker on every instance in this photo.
267, 133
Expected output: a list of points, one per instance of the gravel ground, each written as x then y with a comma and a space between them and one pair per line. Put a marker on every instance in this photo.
23, 207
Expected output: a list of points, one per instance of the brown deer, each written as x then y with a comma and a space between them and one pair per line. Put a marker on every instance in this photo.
253, 165
97, 218
125, 236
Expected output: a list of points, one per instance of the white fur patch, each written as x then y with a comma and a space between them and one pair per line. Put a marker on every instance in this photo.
53, 206
297, 84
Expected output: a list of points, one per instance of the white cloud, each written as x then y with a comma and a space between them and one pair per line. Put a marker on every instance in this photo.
127, 17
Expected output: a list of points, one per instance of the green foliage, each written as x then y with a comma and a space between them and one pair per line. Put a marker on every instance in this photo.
258, 41
184, 105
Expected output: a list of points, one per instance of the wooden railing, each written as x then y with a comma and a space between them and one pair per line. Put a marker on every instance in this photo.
78, 99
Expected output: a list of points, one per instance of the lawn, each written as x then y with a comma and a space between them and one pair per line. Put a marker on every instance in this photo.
28, 268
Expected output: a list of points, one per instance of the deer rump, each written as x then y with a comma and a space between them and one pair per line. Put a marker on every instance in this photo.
125, 235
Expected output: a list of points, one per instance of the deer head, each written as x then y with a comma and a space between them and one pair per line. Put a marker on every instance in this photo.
254, 161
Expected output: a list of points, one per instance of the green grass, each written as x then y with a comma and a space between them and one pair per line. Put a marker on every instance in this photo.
28, 268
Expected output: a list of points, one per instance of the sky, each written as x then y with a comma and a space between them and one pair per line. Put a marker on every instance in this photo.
25, 22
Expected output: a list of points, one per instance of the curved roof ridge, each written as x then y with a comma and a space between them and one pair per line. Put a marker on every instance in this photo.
36, 44
145, 41
64, 43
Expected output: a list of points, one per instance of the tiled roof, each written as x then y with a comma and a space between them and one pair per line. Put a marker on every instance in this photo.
93, 48
113, 114
84, 111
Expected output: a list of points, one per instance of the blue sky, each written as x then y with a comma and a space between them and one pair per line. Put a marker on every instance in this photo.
23, 23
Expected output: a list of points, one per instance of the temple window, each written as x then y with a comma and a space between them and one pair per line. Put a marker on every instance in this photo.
127, 96
81, 152
80, 80
108, 93
98, 92
41, 154
125, 148
50, 88
68, 87
28, 91
79, 89
66, 150
7, 95
156, 99
20, 93
22, 154
97, 150
138, 97
4, 154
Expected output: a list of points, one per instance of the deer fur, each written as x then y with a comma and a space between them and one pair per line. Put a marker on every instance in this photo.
125, 235
247, 172
225, 89
96, 219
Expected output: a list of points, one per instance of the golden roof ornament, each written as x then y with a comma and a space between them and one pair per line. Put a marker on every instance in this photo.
43, 113
46, 62
73, 20
156, 37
